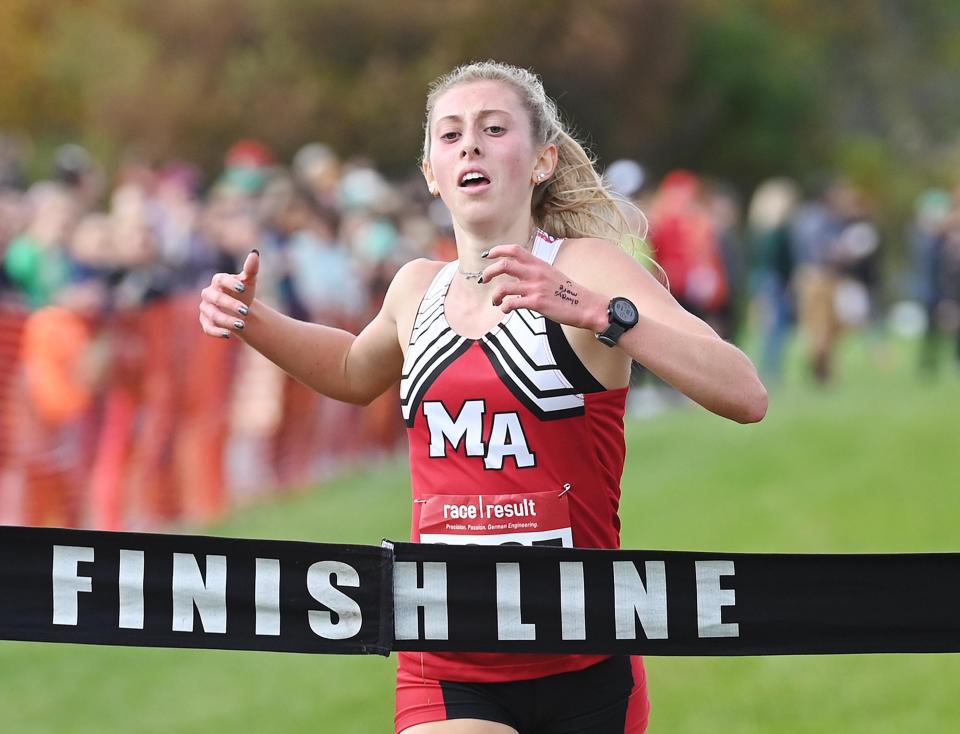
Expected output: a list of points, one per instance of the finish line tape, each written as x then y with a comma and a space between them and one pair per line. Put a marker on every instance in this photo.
160, 590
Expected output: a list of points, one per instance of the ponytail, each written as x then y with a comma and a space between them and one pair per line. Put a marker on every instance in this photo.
574, 202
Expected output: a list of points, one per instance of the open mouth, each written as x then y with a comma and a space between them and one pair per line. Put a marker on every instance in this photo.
473, 179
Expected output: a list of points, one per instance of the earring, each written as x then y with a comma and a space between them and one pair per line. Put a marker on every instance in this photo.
540, 178
434, 189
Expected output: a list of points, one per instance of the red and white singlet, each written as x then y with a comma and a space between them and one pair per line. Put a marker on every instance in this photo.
512, 440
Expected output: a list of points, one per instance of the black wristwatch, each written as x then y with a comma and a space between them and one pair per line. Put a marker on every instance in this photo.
623, 315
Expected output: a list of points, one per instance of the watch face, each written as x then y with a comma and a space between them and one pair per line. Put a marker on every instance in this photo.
624, 311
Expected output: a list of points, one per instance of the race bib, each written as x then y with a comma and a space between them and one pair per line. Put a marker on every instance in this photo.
541, 518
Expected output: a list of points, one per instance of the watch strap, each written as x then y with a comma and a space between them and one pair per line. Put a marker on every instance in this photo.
611, 335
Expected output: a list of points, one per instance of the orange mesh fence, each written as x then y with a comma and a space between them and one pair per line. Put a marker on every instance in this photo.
12, 320
141, 420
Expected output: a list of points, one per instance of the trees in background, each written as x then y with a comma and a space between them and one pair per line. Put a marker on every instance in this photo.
737, 88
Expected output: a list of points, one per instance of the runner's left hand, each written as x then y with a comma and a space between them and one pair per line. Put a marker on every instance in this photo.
539, 286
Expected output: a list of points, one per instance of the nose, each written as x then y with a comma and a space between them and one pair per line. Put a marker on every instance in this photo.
469, 146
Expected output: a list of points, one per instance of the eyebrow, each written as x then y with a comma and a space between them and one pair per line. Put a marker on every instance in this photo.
482, 113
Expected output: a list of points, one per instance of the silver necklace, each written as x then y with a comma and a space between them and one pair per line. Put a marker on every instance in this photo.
476, 276
469, 275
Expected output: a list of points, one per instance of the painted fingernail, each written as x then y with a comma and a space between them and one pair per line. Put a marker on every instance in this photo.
238, 325
243, 310
225, 335
480, 279
255, 250
484, 253
240, 287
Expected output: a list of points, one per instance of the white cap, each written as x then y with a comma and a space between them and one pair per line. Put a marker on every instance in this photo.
625, 177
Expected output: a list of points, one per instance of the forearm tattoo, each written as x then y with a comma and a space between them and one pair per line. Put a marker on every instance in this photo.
565, 292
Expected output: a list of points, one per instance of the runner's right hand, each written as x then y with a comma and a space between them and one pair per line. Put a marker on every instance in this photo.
225, 303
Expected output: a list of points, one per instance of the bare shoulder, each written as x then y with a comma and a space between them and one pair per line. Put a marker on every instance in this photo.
410, 283
418, 270
404, 295
594, 262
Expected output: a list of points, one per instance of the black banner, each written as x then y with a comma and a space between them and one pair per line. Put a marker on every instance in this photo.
539, 599
205, 592
154, 590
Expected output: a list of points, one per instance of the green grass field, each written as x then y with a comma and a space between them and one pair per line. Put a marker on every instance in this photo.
870, 465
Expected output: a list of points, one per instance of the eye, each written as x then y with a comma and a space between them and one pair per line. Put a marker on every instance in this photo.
496, 129
449, 136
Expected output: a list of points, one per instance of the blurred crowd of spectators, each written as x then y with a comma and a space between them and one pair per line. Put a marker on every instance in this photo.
117, 412
810, 264
115, 409
816, 265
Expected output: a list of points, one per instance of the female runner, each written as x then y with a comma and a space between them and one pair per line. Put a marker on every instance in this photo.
514, 363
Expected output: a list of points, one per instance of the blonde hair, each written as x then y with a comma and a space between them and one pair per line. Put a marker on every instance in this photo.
574, 201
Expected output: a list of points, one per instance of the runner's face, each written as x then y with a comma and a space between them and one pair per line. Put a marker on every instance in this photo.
482, 155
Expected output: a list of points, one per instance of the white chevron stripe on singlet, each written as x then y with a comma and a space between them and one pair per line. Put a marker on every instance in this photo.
540, 385
525, 340
518, 348
431, 341
430, 310
523, 353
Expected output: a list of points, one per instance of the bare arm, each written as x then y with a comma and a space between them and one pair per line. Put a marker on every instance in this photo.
334, 362
685, 352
